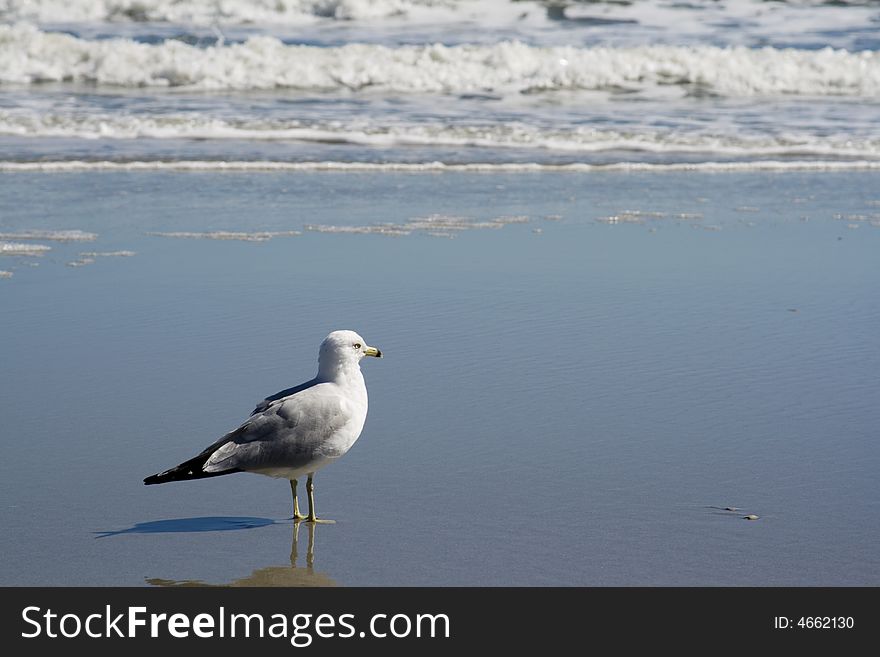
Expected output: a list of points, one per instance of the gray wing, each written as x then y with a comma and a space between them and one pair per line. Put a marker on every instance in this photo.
280, 396
289, 432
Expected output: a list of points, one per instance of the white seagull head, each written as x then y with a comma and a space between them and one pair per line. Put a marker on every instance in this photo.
342, 349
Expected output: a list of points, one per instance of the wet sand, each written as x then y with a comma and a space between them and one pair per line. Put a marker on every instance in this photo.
583, 373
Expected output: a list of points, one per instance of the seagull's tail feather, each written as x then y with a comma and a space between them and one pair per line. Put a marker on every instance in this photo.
187, 470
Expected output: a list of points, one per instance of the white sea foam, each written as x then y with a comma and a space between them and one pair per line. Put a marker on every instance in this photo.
209, 12
436, 167
259, 236
51, 235
5, 274
20, 249
80, 262
632, 217
743, 22
108, 254
28, 55
507, 135
435, 225
648, 216
90, 257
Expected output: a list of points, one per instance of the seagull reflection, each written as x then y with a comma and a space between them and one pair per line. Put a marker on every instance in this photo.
287, 575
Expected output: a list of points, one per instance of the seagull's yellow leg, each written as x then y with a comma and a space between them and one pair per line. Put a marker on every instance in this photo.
310, 489
297, 516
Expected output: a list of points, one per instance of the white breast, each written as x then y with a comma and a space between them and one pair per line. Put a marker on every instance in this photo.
355, 393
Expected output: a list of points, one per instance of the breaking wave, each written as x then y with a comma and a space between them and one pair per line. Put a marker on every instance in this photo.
29, 56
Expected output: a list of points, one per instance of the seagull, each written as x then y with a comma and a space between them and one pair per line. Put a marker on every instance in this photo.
297, 431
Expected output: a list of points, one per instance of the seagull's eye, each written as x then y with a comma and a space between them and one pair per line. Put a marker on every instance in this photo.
357, 345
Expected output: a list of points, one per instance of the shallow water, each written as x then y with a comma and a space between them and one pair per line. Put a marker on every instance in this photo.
573, 406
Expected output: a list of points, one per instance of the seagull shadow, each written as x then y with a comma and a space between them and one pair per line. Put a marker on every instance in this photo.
188, 525
278, 576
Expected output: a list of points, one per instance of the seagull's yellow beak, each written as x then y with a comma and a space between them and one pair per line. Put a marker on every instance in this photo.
372, 351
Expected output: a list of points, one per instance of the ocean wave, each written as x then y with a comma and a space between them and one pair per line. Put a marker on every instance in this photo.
28, 56
209, 12
436, 167
299, 12
507, 135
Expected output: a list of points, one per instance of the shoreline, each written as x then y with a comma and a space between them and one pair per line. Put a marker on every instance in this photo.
438, 167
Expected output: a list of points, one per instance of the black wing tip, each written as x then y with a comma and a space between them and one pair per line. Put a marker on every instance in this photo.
161, 477
191, 469
181, 473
